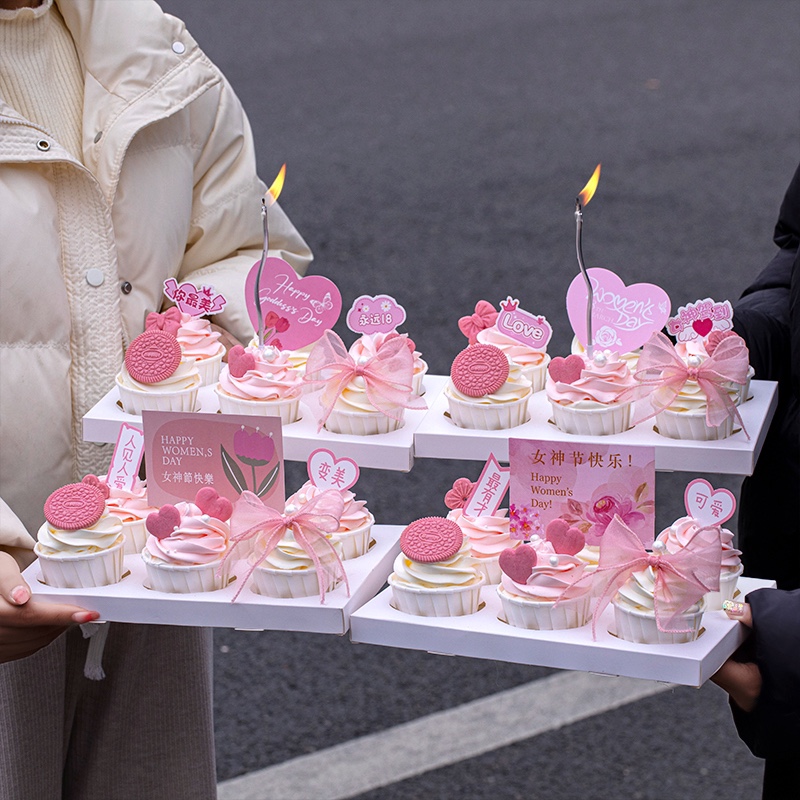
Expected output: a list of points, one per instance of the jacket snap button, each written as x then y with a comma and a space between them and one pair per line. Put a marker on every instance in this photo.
95, 277
125, 287
98, 136
179, 48
43, 145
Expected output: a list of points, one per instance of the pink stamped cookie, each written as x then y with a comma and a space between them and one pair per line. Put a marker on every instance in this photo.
480, 369
564, 538
209, 502
240, 361
153, 356
74, 506
566, 370
518, 562
163, 522
431, 539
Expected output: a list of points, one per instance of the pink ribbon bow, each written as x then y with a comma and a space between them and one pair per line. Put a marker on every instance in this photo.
387, 375
309, 524
169, 321
484, 317
662, 369
681, 578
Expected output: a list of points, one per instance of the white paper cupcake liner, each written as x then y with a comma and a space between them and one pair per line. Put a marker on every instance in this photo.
489, 568
592, 422
361, 423
727, 589
209, 368
537, 374
185, 578
489, 417
83, 571
691, 425
288, 410
355, 543
289, 582
446, 601
634, 625
134, 401
416, 382
743, 390
135, 532
545, 615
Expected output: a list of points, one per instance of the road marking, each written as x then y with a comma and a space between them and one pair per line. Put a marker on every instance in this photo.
438, 740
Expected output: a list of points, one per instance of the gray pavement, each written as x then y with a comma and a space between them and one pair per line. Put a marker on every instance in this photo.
434, 149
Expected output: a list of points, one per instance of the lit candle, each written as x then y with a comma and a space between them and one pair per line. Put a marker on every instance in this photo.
267, 200
583, 199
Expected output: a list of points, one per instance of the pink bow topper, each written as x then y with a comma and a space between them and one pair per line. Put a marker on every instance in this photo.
484, 317
661, 368
681, 579
387, 375
309, 524
169, 321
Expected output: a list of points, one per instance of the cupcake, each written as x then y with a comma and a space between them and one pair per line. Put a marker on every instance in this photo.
260, 382
488, 536
187, 545
435, 574
368, 344
130, 506
80, 544
532, 360
156, 376
297, 358
631, 358
486, 391
200, 342
590, 397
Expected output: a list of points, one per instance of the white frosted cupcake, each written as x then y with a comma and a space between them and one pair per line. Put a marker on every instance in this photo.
199, 341
631, 358
130, 506
533, 361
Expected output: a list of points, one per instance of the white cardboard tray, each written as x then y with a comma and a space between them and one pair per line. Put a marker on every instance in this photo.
484, 635
438, 437
129, 601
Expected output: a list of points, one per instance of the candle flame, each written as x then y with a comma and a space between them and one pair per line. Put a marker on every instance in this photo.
274, 191
587, 193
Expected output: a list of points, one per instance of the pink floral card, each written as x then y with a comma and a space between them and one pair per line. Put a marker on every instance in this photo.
230, 453
586, 485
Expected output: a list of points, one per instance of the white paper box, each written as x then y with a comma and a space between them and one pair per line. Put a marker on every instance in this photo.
129, 601
483, 635
438, 437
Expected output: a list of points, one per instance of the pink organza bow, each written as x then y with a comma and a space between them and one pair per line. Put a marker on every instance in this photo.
387, 375
665, 372
484, 317
309, 524
169, 321
681, 578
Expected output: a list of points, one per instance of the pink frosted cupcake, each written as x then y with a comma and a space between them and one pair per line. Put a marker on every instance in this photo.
200, 342
260, 382
488, 536
533, 360
367, 347
130, 506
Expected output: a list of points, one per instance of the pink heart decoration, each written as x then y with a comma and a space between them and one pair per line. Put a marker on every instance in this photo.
209, 502
518, 562
702, 326
240, 361
714, 338
163, 522
564, 538
566, 370
93, 480
310, 305
707, 505
623, 317
328, 472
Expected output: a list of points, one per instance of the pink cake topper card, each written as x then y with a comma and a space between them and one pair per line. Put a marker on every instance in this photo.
128, 451
707, 505
230, 453
623, 317
489, 490
522, 326
297, 311
696, 320
193, 301
585, 485
378, 314
326, 471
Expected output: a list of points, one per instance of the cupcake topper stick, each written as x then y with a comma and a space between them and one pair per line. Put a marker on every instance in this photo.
269, 199
583, 199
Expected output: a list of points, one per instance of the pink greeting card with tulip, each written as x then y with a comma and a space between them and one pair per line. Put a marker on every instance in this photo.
585, 485
227, 453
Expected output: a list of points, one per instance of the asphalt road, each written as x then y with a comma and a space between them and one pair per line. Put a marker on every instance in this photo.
434, 149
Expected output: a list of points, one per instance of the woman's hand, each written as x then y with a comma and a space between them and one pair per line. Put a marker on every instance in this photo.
28, 625
740, 679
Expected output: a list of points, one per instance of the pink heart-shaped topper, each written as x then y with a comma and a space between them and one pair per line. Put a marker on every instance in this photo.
702, 326
163, 522
209, 502
623, 317
240, 361
518, 562
326, 471
714, 339
566, 370
309, 305
102, 487
707, 505
564, 538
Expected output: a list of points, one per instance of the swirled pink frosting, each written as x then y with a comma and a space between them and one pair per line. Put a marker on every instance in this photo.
599, 383
548, 582
515, 351
197, 339
272, 378
369, 344
199, 539
678, 534
128, 504
488, 535
355, 514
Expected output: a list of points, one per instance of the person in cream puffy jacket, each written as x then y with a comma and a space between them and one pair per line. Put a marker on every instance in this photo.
125, 159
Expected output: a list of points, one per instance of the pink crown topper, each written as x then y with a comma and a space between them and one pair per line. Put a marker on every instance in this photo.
326, 471
193, 301
489, 490
298, 309
522, 326
623, 317
706, 505
128, 451
697, 320
378, 314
